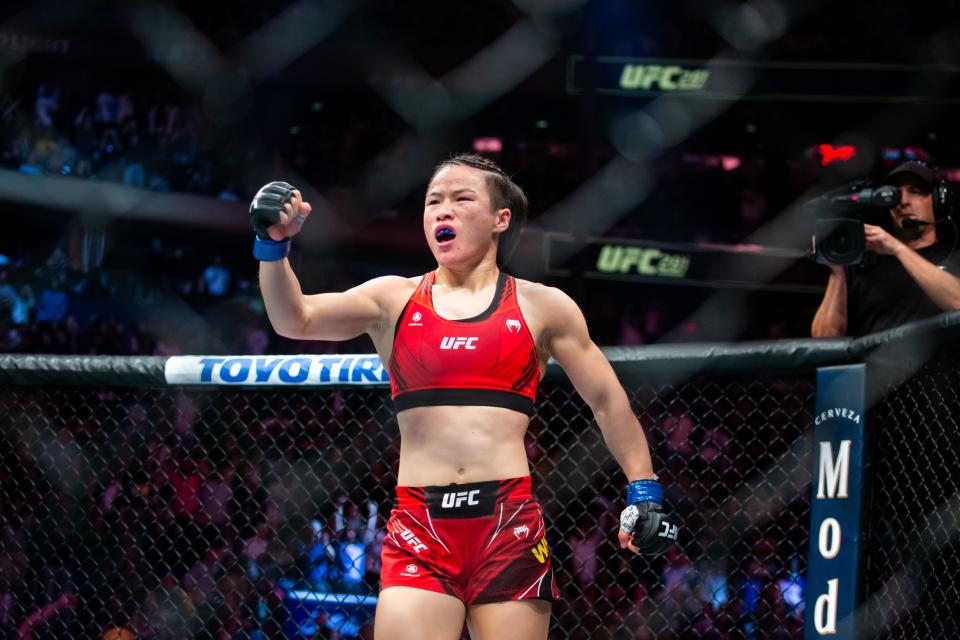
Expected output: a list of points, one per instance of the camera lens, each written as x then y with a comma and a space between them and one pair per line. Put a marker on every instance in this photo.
839, 241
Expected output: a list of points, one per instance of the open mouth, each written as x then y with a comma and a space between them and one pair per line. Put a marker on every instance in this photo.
445, 234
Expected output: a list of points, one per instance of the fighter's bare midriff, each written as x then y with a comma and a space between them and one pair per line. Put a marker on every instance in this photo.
444, 445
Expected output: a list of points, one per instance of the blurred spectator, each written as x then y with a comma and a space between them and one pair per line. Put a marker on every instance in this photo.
134, 171
713, 583
107, 108
186, 483
792, 585
47, 103
353, 532
52, 302
9, 300
125, 110
23, 309
584, 544
216, 497
373, 556
677, 428
217, 277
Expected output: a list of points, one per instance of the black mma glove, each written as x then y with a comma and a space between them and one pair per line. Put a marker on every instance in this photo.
653, 531
267, 205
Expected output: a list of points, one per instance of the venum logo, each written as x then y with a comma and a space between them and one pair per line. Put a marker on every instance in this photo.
411, 571
412, 568
411, 539
521, 532
454, 499
513, 326
416, 318
454, 343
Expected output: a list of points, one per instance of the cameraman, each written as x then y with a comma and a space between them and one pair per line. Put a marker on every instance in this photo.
913, 277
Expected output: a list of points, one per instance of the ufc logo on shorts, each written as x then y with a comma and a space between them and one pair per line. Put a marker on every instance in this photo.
668, 531
453, 500
411, 539
450, 342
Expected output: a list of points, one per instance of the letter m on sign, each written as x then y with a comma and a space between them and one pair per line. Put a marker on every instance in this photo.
834, 475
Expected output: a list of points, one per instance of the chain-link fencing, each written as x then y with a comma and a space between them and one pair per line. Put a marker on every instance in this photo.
199, 513
258, 512
912, 559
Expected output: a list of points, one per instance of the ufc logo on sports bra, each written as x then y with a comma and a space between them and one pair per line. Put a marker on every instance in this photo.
455, 499
450, 342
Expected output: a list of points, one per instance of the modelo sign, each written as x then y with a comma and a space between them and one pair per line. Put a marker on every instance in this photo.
835, 506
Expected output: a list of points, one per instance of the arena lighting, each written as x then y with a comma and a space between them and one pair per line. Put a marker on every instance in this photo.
915, 153
490, 145
891, 155
830, 154
894, 155
729, 163
713, 160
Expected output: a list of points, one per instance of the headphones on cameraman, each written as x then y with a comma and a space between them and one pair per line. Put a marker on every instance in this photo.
942, 194
943, 205
943, 199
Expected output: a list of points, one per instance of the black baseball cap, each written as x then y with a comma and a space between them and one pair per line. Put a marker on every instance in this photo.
913, 168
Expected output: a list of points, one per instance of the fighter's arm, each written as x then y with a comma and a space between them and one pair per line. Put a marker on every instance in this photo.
323, 316
277, 213
643, 525
942, 287
567, 339
830, 320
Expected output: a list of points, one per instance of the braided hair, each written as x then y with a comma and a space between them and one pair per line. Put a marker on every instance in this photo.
504, 194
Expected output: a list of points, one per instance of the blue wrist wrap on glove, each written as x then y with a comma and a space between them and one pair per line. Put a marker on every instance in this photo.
644, 491
270, 250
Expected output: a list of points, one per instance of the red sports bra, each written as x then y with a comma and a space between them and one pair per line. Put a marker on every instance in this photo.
488, 360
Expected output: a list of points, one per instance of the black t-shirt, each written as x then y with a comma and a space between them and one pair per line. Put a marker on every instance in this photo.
881, 294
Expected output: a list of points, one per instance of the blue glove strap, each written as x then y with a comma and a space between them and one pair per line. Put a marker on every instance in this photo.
270, 250
644, 491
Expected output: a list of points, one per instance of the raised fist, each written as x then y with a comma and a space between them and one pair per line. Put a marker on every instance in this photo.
278, 211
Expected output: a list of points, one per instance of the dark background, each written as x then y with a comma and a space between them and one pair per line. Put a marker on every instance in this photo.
355, 102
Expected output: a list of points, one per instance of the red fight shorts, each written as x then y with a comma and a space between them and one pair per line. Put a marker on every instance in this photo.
480, 542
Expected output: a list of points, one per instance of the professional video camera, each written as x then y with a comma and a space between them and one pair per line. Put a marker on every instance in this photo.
839, 216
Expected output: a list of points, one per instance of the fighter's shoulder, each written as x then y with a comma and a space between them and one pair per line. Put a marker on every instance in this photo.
549, 303
386, 288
